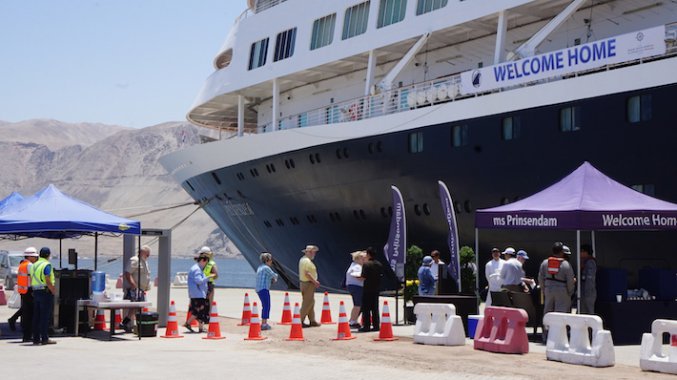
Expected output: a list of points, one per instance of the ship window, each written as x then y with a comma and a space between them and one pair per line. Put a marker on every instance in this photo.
510, 128
639, 108
570, 119
355, 21
216, 178
267, 223
417, 210
323, 31
426, 209
425, 6
391, 12
647, 189
459, 135
383, 212
302, 120
191, 186
467, 206
332, 115
416, 142
258, 53
284, 44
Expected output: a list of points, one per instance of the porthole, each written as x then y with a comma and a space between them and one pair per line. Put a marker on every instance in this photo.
383, 212
345, 153
467, 206
426, 209
417, 210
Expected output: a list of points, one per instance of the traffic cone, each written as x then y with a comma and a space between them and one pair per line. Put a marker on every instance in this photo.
118, 317
286, 311
172, 330
246, 311
100, 320
255, 325
386, 331
326, 311
188, 315
214, 331
3, 296
296, 332
343, 325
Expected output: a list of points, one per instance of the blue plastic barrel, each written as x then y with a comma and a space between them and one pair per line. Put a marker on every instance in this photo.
98, 281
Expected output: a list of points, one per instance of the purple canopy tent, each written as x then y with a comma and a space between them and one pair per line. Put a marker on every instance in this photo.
586, 199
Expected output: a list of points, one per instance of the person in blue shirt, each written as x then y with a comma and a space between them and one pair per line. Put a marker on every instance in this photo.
197, 291
264, 279
426, 280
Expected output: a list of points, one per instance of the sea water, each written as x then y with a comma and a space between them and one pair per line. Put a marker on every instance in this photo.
233, 273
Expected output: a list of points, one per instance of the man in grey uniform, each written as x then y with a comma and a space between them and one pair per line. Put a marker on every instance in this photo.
557, 281
588, 277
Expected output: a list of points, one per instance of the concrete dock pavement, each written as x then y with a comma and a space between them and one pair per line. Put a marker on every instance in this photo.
317, 357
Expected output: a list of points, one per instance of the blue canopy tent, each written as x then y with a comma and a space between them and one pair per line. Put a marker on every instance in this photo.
51, 214
10, 200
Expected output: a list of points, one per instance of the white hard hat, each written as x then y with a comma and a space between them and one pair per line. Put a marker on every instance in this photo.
31, 251
204, 249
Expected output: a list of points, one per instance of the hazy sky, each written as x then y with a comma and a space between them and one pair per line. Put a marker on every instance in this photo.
128, 62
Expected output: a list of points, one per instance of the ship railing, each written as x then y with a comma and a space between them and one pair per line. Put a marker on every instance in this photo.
405, 98
425, 94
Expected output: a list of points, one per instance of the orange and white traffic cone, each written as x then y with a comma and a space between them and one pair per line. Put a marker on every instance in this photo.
100, 320
3, 297
188, 315
286, 311
255, 325
326, 311
214, 331
343, 325
386, 331
118, 317
172, 330
296, 332
246, 311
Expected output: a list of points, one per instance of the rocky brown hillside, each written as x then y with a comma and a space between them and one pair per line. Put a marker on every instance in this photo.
113, 168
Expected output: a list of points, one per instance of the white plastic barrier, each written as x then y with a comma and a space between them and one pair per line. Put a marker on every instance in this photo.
652, 357
180, 279
438, 324
578, 349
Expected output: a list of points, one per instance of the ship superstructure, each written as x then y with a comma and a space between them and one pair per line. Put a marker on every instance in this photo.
323, 105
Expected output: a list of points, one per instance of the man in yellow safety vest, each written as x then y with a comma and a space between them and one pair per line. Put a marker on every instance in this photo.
209, 269
42, 283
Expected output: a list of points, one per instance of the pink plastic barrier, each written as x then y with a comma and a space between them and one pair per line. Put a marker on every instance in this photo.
503, 329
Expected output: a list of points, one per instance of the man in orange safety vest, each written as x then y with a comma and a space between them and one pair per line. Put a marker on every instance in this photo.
23, 282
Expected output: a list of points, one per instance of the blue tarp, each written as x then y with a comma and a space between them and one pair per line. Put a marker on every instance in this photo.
53, 215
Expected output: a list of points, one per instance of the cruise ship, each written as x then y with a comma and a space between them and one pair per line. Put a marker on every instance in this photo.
322, 106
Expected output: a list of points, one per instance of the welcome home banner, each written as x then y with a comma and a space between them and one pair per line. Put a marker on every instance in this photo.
626, 47
395, 248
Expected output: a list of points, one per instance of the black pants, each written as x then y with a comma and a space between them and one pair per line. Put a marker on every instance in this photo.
369, 311
27, 315
43, 305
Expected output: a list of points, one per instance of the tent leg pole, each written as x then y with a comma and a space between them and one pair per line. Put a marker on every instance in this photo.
578, 269
594, 248
477, 263
96, 250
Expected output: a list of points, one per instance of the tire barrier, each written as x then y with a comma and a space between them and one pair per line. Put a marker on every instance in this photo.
577, 349
438, 324
503, 330
652, 357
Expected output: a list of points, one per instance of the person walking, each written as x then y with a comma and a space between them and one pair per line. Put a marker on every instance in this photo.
137, 283
492, 271
309, 282
556, 277
211, 271
355, 285
42, 284
23, 280
265, 277
197, 291
426, 280
588, 280
372, 270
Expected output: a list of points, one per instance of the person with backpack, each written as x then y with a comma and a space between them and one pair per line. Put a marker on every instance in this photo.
556, 277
